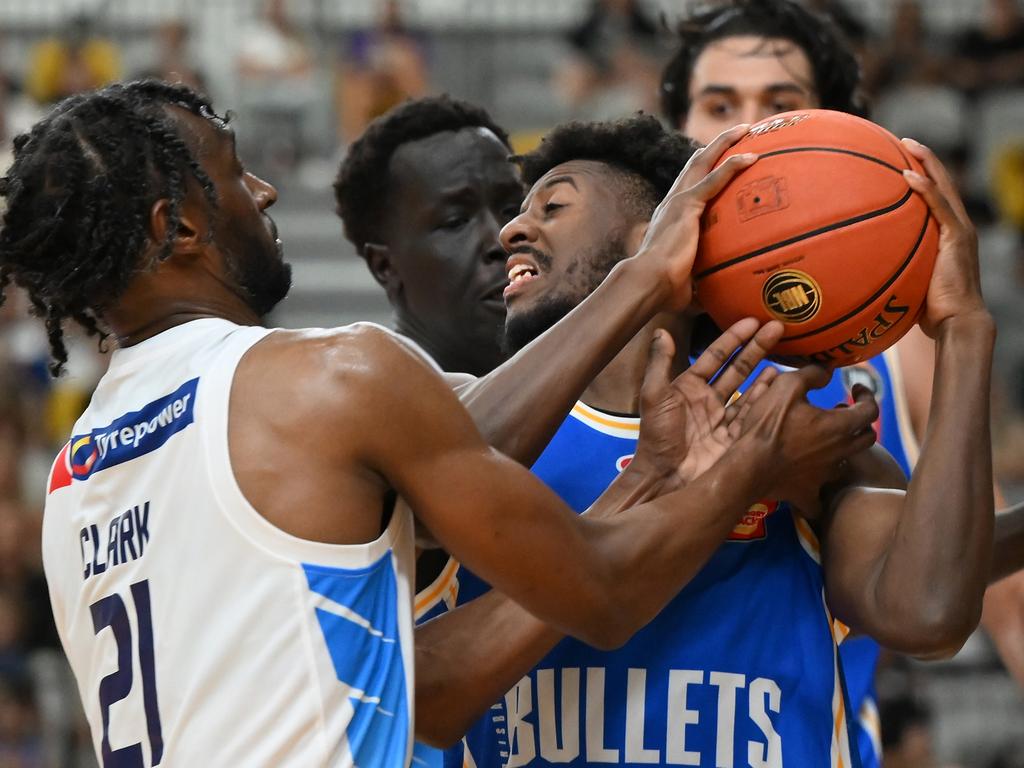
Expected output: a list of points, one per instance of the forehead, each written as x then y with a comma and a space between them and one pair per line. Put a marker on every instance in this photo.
749, 63
209, 139
451, 159
591, 180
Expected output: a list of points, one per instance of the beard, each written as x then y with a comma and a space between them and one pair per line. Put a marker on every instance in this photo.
262, 275
588, 270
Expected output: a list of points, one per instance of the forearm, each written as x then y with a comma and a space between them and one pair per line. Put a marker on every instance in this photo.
653, 550
468, 658
934, 571
1008, 543
519, 406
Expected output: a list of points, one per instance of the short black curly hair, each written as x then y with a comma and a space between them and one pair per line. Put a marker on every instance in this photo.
361, 187
78, 197
837, 73
646, 156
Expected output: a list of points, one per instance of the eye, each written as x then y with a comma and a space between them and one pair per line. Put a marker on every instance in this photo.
453, 223
785, 106
550, 208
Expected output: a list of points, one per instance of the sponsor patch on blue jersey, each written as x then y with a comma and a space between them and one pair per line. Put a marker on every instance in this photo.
135, 434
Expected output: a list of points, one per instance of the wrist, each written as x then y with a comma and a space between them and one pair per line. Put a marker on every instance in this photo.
749, 466
647, 279
975, 325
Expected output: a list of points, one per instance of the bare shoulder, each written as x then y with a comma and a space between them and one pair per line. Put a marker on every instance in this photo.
319, 380
326, 358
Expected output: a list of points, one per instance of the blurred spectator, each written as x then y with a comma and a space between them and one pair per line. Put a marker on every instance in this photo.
906, 55
278, 90
615, 69
906, 734
381, 68
20, 745
174, 63
79, 60
272, 47
992, 54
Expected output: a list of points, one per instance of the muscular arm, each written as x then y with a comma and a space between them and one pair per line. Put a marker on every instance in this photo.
909, 569
468, 658
597, 579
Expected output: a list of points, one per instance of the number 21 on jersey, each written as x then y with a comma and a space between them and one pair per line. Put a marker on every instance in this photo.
112, 611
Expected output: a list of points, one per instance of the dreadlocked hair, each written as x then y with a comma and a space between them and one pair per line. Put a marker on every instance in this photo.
78, 196
361, 188
645, 156
835, 67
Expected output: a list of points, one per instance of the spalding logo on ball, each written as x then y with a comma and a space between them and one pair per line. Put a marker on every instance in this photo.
822, 233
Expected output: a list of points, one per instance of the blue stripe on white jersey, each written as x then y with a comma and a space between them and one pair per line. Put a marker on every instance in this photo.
358, 615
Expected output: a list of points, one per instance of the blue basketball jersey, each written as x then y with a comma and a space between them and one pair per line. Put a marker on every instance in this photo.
739, 669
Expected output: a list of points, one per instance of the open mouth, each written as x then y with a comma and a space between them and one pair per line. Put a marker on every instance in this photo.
520, 272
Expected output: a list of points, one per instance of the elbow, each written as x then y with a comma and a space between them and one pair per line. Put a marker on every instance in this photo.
437, 733
610, 620
939, 632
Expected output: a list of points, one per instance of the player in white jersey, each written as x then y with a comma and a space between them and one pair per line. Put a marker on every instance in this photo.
228, 567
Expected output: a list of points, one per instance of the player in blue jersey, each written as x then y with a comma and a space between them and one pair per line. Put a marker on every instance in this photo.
580, 704
740, 62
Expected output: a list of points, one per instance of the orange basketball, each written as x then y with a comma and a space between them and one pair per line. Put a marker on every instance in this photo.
823, 233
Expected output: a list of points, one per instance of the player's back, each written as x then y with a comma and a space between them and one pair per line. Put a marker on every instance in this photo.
199, 633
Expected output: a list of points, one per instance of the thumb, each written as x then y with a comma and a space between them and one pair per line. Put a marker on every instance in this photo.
814, 377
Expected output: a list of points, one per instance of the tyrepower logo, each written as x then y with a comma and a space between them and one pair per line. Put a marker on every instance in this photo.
128, 437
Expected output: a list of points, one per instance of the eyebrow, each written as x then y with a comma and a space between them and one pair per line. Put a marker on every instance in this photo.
565, 179
552, 182
727, 90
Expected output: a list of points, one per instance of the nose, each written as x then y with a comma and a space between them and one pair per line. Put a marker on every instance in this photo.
263, 192
519, 231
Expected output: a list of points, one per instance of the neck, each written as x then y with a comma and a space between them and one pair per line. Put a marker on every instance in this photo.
477, 361
617, 387
136, 320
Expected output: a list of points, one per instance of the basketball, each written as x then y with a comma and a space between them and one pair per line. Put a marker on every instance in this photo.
822, 233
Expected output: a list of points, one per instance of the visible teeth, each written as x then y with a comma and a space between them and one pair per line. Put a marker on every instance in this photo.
520, 272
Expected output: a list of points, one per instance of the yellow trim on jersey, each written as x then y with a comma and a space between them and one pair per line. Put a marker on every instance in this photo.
911, 448
443, 584
808, 539
616, 426
840, 751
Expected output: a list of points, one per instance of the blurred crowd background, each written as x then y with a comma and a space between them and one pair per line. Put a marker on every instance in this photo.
304, 77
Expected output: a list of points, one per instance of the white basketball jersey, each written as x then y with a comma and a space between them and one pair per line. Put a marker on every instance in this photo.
200, 634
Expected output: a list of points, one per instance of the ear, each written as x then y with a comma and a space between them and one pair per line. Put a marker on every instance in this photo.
378, 259
190, 235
